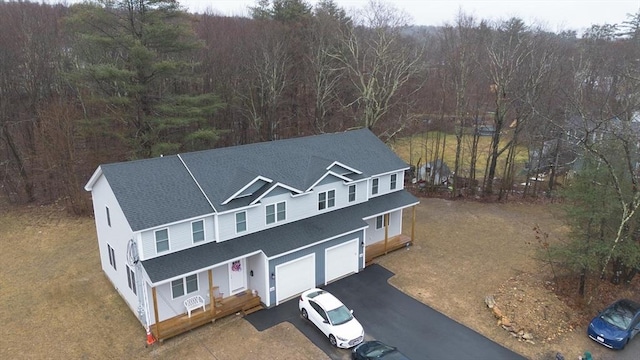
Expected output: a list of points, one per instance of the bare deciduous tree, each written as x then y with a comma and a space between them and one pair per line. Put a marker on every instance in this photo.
379, 64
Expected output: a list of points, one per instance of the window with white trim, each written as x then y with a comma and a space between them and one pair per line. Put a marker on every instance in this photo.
197, 231
131, 279
190, 283
276, 212
241, 221
374, 186
112, 257
162, 240
352, 193
379, 222
108, 216
394, 181
326, 199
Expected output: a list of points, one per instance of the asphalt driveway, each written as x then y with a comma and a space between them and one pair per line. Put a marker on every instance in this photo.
389, 315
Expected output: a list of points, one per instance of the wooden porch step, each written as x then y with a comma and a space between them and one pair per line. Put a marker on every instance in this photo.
248, 311
251, 306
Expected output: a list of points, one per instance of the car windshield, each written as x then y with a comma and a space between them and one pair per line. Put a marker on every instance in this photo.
618, 316
339, 315
378, 350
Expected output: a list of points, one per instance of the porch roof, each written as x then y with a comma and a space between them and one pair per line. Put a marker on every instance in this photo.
277, 240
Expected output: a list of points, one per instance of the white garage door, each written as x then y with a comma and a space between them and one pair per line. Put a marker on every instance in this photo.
341, 260
294, 277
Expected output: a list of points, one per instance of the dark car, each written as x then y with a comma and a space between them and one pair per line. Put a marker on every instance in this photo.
616, 325
376, 350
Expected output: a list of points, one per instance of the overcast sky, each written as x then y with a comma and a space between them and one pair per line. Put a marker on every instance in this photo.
555, 15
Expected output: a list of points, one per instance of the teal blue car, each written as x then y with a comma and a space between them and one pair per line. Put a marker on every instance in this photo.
616, 325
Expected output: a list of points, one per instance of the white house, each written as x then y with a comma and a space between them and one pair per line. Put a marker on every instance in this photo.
269, 220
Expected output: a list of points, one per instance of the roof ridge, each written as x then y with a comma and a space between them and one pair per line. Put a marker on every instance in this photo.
196, 182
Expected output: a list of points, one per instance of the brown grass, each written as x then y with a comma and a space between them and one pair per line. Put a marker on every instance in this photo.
422, 146
56, 303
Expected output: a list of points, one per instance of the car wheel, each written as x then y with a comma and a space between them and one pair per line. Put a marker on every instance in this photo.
332, 340
304, 314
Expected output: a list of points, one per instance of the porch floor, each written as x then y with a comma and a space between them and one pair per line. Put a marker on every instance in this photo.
245, 302
382, 248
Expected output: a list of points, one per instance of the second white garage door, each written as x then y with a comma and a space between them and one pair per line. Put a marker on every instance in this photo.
294, 277
341, 260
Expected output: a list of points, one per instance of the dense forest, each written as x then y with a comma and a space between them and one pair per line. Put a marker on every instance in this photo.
109, 81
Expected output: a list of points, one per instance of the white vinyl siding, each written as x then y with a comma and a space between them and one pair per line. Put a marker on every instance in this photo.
181, 236
376, 231
298, 207
112, 241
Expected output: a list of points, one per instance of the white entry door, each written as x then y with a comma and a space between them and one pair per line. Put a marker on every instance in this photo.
237, 276
294, 277
341, 260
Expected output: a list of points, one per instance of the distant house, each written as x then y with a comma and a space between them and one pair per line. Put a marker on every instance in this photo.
192, 237
485, 130
436, 171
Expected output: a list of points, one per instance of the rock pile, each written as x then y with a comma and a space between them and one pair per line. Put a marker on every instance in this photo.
503, 321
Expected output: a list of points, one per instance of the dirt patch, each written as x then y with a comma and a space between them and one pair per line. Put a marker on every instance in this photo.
465, 251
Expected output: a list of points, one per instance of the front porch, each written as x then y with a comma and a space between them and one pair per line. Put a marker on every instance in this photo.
390, 243
385, 246
245, 302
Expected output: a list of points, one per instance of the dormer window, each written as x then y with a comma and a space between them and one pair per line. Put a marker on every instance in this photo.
276, 212
352, 193
374, 186
394, 180
326, 199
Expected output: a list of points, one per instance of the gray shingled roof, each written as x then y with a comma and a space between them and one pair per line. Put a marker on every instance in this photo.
290, 236
157, 191
289, 161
